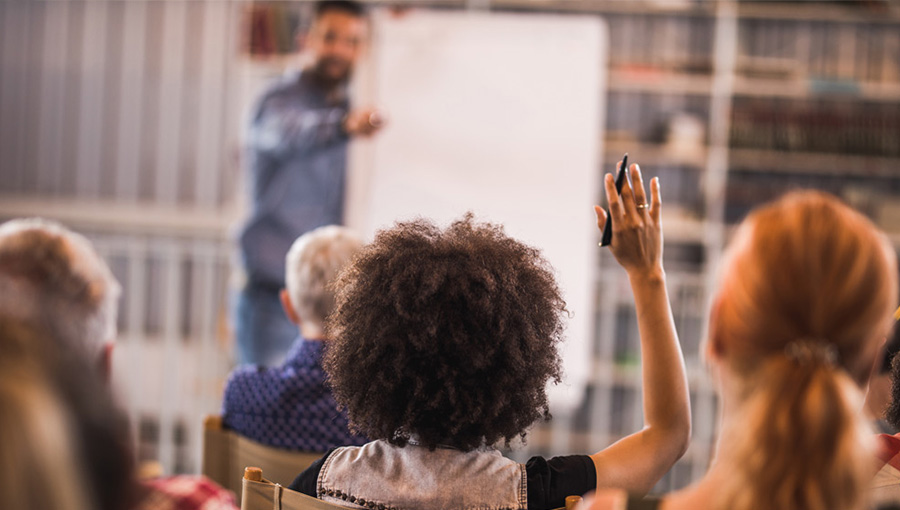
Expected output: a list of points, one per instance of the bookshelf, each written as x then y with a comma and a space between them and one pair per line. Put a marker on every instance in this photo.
731, 103
876, 12
658, 81
810, 89
757, 160
269, 29
822, 80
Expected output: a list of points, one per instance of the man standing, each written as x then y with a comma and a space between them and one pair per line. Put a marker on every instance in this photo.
297, 155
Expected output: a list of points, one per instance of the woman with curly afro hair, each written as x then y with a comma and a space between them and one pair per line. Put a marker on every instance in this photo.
443, 342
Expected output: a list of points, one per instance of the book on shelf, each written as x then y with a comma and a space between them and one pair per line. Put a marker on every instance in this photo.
877, 197
661, 42
826, 51
270, 28
820, 125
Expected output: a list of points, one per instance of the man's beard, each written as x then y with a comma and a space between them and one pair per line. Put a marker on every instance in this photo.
329, 80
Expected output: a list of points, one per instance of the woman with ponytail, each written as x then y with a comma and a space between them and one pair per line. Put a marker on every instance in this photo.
807, 291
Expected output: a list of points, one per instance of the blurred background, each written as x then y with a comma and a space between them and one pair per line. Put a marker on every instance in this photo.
123, 119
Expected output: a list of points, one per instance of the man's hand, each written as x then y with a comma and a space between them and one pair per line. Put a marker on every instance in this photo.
363, 122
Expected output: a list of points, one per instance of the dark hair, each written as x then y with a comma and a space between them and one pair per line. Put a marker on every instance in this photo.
345, 6
447, 337
891, 348
892, 414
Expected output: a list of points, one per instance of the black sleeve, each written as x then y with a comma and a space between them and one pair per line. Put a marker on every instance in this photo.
307, 480
551, 481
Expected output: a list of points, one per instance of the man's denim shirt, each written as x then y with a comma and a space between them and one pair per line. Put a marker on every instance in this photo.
297, 157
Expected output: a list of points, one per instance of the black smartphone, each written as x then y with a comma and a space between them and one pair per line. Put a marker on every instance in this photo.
621, 175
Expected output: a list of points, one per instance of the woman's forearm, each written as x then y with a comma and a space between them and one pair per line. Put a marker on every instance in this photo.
666, 399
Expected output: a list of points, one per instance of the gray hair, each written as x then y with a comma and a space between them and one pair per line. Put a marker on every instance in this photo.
313, 263
52, 277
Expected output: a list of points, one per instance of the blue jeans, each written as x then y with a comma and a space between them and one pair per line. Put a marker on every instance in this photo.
262, 330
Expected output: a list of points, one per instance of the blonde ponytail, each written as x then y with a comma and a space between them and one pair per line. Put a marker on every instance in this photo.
803, 444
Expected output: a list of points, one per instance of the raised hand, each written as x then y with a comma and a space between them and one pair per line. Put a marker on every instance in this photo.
637, 230
636, 462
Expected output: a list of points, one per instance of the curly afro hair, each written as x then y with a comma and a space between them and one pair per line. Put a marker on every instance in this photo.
447, 337
892, 359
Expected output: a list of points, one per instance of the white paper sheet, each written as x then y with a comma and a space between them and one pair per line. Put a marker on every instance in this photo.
500, 114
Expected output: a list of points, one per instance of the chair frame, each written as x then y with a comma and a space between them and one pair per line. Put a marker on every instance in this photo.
226, 454
261, 494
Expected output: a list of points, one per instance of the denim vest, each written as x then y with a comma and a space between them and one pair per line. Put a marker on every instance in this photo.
381, 476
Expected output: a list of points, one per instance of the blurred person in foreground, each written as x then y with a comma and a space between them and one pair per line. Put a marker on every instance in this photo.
297, 158
443, 341
807, 290
51, 278
290, 406
42, 462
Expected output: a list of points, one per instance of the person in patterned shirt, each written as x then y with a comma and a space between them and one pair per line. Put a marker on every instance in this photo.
289, 406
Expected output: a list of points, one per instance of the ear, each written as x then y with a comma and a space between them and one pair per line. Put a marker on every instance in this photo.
714, 348
289, 307
105, 362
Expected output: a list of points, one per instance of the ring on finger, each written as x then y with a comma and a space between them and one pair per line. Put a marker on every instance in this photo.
642, 206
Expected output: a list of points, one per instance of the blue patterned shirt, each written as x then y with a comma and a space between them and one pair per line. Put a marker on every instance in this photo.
288, 406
